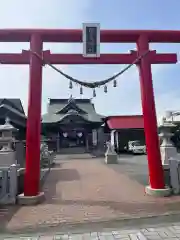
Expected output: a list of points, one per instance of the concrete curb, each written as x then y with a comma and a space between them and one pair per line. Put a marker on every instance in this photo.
99, 225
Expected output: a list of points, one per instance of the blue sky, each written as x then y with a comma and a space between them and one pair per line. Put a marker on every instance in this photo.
114, 14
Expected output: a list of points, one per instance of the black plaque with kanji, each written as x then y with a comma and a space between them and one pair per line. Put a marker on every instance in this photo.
91, 40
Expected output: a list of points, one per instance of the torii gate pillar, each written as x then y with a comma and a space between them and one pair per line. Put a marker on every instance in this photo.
33, 133
150, 121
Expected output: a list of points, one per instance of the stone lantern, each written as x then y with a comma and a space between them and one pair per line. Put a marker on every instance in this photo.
167, 148
7, 154
7, 138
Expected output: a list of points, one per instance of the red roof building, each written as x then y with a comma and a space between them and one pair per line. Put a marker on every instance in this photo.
125, 122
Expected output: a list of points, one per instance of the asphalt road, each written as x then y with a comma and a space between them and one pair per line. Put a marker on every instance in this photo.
135, 166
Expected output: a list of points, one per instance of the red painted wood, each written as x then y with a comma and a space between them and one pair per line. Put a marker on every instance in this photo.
54, 58
156, 174
33, 129
75, 35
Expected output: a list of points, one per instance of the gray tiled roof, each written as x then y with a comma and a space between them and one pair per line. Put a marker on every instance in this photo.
14, 103
54, 111
14, 110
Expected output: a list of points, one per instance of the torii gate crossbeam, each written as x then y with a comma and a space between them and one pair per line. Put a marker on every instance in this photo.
36, 37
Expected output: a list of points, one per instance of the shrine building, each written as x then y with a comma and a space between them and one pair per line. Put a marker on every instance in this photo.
72, 124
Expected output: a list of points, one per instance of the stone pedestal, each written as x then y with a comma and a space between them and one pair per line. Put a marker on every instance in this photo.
110, 158
158, 192
30, 200
7, 158
110, 155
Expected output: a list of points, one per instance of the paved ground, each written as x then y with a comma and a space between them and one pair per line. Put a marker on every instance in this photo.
88, 193
134, 166
165, 232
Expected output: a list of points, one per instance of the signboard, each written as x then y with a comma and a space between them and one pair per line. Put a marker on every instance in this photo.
91, 40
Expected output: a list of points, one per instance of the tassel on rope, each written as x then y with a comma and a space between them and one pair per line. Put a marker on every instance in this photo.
105, 88
70, 85
94, 93
81, 90
114, 83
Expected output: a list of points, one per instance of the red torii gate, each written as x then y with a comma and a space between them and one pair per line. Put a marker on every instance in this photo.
36, 37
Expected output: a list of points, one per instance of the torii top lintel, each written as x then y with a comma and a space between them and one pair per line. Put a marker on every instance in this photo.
75, 35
